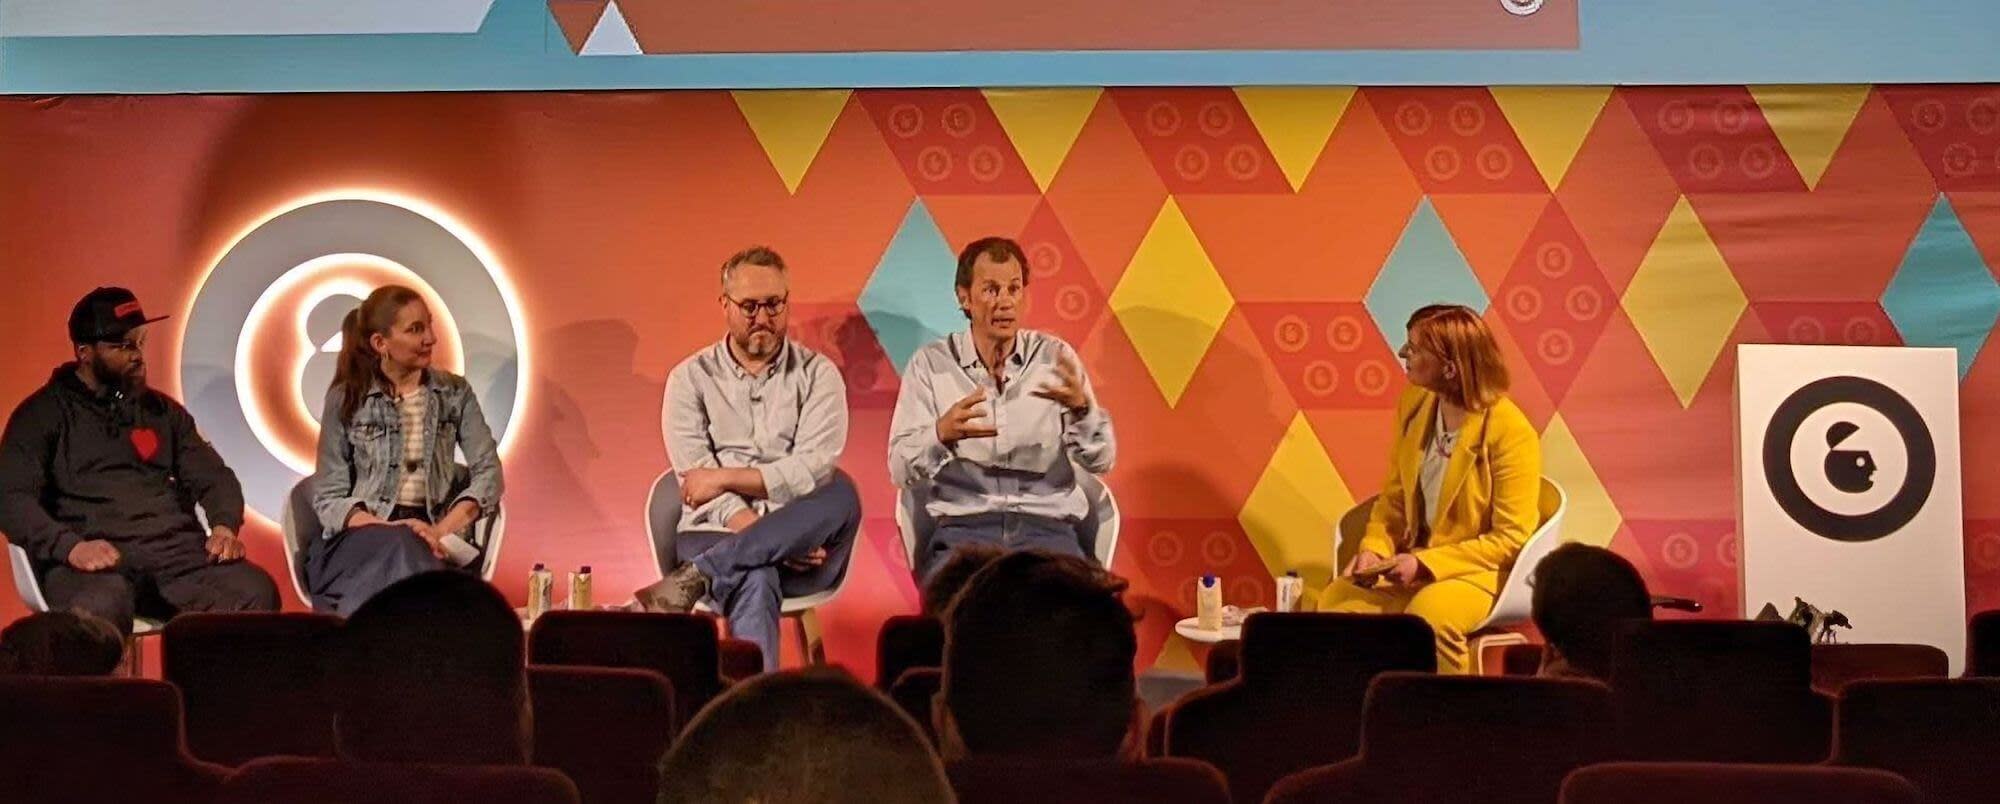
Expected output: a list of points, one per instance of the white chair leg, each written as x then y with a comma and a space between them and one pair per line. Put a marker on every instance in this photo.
1479, 644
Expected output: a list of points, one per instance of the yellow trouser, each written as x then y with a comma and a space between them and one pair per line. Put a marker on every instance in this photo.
1451, 607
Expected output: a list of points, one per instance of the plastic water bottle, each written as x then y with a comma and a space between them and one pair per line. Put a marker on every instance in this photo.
579, 589
1208, 603
1290, 588
541, 591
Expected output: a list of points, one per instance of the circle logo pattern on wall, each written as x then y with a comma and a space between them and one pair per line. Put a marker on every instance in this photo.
293, 276
1781, 475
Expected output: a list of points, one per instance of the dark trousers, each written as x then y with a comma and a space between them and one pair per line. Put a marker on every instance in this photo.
1003, 530
747, 581
344, 571
160, 576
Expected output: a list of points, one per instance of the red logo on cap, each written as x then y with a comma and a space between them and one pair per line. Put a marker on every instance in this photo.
128, 308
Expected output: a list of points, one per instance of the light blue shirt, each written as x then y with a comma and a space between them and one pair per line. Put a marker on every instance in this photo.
789, 422
1027, 468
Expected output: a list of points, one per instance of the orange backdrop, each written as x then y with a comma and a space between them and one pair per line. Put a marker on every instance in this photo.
1221, 258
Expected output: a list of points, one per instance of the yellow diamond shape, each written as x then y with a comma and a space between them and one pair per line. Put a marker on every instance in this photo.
1295, 123
1684, 301
1810, 121
1171, 302
791, 125
1177, 655
1588, 514
1043, 124
1552, 122
1294, 507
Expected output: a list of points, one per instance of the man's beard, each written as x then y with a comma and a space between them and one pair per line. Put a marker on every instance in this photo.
126, 383
749, 346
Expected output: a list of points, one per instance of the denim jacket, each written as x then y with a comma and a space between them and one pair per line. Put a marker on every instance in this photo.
360, 462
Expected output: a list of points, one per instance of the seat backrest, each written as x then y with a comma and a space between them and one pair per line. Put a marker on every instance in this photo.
907, 641
251, 683
605, 728
1682, 782
1513, 739
299, 523
1297, 701
1983, 644
1718, 691
97, 739
1939, 733
1834, 666
328, 781
681, 647
1521, 660
739, 659
663, 519
1515, 600
1347, 535
26, 584
1001, 780
915, 692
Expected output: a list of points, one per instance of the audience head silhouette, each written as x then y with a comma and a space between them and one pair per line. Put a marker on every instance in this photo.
1038, 661
949, 578
60, 643
1582, 593
431, 670
802, 737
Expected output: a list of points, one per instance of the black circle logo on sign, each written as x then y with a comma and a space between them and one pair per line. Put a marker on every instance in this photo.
1849, 470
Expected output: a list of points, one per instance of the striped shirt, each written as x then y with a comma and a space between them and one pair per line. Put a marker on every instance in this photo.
412, 409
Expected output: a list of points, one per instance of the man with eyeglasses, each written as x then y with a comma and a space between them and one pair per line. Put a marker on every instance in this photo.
997, 420
100, 476
755, 425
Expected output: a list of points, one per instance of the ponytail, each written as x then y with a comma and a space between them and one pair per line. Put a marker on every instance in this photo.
359, 367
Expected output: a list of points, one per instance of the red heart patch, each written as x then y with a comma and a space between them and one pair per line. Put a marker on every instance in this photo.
146, 441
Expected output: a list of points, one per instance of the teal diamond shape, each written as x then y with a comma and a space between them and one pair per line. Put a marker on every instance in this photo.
1426, 267
1943, 295
910, 300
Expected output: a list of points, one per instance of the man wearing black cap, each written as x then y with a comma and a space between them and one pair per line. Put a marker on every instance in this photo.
100, 476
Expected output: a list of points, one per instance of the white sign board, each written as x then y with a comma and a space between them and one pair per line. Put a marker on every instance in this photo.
1849, 494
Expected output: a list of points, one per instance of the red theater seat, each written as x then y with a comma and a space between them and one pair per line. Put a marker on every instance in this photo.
1940, 734
907, 641
1719, 691
916, 693
739, 659
251, 683
999, 780
1700, 783
1983, 645
681, 647
1836, 666
606, 728
90, 740
1297, 701
327, 781
1429, 739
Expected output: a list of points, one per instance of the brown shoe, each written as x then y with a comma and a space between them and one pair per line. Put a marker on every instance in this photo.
675, 594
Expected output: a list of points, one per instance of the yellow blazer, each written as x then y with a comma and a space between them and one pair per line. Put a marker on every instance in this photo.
1491, 495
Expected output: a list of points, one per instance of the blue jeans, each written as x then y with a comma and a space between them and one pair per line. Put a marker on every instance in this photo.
747, 579
1005, 531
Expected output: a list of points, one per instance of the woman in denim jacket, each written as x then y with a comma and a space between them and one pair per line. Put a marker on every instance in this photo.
391, 500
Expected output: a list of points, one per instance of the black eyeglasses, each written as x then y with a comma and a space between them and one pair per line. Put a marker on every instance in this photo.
750, 307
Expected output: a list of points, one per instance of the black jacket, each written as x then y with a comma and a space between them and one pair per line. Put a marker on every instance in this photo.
77, 465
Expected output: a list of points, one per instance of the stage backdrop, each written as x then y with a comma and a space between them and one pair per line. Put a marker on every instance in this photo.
1234, 266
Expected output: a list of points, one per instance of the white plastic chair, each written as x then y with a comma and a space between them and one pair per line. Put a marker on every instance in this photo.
915, 525
663, 524
301, 526
30, 589
1514, 603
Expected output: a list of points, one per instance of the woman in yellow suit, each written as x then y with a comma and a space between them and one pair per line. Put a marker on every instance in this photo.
1463, 489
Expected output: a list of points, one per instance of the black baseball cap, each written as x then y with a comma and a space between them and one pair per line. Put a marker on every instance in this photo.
107, 314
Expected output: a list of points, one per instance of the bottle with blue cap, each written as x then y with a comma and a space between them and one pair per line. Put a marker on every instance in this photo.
1208, 603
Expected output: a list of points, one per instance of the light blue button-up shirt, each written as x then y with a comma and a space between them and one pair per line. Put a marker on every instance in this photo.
1026, 469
